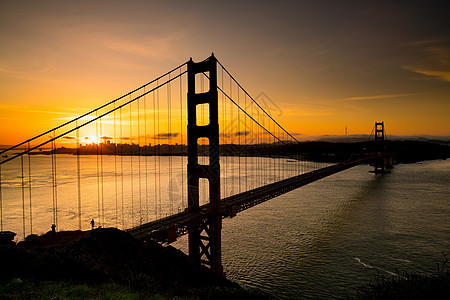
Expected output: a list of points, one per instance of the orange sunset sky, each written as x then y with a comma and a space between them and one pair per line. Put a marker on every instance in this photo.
326, 64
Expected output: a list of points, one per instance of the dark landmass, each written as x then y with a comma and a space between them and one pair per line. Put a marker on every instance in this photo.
107, 257
408, 286
407, 151
354, 138
403, 151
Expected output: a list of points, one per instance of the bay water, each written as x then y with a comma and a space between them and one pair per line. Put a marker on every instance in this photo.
323, 240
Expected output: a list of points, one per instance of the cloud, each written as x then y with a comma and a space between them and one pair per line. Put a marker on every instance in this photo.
35, 74
37, 111
312, 112
69, 137
106, 138
60, 111
242, 133
165, 136
384, 96
148, 47
432, 59
440, 75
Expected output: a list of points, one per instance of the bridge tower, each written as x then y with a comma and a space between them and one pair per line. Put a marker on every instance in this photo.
204, 239
379, 165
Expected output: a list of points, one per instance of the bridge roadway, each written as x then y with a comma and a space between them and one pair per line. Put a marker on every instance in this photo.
167, 229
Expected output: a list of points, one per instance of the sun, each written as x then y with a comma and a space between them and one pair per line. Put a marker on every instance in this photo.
91, 139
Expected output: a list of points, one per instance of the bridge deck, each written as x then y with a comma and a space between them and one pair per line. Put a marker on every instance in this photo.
182, 223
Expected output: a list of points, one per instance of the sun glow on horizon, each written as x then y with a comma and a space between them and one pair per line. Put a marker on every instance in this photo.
91, 139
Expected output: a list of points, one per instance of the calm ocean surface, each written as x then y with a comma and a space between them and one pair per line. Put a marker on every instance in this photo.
323, 240
328, 238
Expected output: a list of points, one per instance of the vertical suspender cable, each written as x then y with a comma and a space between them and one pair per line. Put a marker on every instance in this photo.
29, 189
146, 157
272, 154
272, 149
78, 176
283, 148
256, 150
261, 147
269, 153
280, 158
263, 154
131, 167
181, 142
263, 157
23, 196
55, 191
286, 159
56, 183
139, 162
169, 129
299, 159
239, 142
282, 165
121, 168
252, 141
98, 168
245, 143
268, 161
258, 167
102, 140
225, 137
263, 150
159, 154
115, 169
302, 160
232, 172
154, 155
261, 174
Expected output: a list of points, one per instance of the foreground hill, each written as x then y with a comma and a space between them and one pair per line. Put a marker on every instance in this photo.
105, 256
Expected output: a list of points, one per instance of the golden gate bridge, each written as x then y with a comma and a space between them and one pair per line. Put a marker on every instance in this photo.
172, 157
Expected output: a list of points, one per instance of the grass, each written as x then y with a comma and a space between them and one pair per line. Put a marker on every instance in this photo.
107, 264
72, 290
410, 286
66, 290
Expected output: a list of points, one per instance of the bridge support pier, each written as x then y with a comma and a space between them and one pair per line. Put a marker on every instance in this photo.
205, 238
382, 161
379, 148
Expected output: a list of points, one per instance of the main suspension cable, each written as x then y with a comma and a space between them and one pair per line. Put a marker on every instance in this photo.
90, 112
231, 76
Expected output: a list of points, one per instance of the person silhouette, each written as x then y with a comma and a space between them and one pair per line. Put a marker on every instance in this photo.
92, 223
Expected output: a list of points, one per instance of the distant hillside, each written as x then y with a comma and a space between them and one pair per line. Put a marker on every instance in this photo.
408, 151
353, 138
